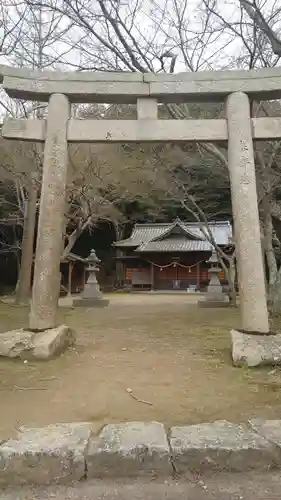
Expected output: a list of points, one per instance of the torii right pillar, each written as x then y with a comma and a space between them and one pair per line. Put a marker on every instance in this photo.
241, 161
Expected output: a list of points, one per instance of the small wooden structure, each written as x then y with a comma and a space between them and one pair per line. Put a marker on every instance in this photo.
171, 256
73, 274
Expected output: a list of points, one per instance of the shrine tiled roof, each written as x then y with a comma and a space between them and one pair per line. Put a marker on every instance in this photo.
178, 236
176, 245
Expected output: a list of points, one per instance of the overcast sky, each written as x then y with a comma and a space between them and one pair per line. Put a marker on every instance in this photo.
155, 27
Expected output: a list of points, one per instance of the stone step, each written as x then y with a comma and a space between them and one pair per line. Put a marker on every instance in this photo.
61, 453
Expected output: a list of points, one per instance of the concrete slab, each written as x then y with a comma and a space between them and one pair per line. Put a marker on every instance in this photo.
270, 429
221, 445
61, 453
129, 449
53, 454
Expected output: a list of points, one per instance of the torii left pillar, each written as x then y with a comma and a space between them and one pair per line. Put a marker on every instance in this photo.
46, 281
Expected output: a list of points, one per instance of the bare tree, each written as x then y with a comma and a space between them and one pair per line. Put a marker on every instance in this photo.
255, 26
113, 29
34, 34
105, 179
195, 194
226, 256
19, 163
169, 36
267, 23
30, 208
10, 27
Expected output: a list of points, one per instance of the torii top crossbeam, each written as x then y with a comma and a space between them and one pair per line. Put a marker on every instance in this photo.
125, 87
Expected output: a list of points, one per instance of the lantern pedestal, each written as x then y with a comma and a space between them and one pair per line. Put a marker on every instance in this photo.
90, 302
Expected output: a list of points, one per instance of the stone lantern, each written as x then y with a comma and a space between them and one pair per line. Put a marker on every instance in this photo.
214, 288
91, 295
214, 296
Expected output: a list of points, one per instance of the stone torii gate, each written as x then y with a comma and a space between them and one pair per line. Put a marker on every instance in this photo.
60, 89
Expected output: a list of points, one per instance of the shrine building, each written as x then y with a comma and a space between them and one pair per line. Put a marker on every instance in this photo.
169, 256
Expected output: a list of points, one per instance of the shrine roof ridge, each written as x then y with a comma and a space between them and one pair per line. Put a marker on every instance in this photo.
144, 233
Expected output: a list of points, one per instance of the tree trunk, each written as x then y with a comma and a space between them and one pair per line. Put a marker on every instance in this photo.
73, 237
23, 289
119, 276
267, 242
275, 296
231, 276
272, 285
272, 268
230, 273
119, 267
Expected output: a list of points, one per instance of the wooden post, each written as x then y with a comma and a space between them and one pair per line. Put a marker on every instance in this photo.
70, 268
152, 276
122, 271
84, 276
198, 275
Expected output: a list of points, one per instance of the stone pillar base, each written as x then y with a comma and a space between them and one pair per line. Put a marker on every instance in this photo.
44, 345
255, 350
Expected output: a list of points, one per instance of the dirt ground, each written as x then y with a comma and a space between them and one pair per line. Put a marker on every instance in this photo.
254, 485
162, 347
